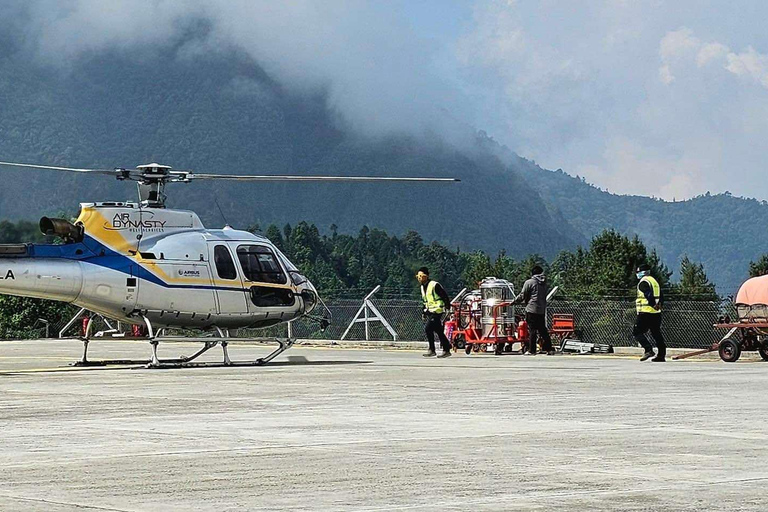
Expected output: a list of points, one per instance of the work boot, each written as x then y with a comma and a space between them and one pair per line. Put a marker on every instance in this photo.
429, 354
446, 353
647, 355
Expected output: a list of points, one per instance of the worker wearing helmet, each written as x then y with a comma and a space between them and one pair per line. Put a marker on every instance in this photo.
648, 305
436, 305
534, 295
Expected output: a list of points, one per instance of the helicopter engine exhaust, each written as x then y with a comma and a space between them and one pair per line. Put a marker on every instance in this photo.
61, 228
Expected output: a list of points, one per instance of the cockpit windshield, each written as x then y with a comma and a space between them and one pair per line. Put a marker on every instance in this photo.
288, 265
259, 265
296, 276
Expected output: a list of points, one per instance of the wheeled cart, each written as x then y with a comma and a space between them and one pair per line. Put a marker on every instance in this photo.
741, 336
485, 318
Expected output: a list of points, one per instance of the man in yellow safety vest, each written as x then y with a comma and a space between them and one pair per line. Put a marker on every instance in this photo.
648, 305
436, 305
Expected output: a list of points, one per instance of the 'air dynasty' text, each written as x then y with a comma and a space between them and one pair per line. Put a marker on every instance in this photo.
124, 221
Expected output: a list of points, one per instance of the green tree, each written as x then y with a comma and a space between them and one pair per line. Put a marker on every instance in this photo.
694, 281
412, 242
504, 267
287, 249
759, 267
522, 271
19, 314
399, 276
22, 231
477, 266
608, 266
273, 233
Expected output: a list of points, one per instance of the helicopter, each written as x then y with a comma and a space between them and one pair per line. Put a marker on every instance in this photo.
143, 264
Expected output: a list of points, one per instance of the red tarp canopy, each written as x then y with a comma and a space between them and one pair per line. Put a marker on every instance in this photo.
753, 291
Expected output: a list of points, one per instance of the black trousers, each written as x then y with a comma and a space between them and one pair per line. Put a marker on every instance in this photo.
435, 326
650, 322
537, 325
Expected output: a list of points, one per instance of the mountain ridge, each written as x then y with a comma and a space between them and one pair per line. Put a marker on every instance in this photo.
224, 114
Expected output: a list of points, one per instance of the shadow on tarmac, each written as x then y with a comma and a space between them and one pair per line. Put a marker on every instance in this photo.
141, 365
301, 360
292, 361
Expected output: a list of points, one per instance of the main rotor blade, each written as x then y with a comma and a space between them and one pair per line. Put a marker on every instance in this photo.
108, 172
237, 177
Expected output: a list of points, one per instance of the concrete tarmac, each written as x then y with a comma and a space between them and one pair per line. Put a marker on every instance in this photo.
364, 430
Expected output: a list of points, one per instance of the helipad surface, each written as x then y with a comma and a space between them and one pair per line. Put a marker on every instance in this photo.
333, 429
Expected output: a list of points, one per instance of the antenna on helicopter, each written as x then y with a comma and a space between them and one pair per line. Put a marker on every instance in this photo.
216, 200
151, 178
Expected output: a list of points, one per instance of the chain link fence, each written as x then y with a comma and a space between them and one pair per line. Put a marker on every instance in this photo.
686, 323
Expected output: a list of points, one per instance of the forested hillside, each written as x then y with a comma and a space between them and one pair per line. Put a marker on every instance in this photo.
720, 231
223, 113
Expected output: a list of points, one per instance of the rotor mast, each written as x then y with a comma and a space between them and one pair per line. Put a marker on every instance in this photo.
151, 186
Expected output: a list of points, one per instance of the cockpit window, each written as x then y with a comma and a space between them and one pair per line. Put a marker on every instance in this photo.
259, 264
296, 276
225, 266
290, 266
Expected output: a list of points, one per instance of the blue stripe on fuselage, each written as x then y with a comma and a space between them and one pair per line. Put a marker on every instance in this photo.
96, 253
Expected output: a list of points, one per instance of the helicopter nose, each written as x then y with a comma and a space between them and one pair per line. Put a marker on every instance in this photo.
309, 295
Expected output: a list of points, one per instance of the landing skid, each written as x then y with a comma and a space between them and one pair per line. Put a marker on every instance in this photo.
154, 339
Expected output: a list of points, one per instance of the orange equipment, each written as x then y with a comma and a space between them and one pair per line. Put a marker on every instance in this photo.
522, 330
563, 327
485, 317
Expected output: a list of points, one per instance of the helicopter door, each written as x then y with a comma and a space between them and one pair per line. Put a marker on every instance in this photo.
230, 292
262, 273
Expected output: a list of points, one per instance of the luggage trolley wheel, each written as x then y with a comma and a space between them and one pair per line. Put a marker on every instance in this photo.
730, 351
763, 349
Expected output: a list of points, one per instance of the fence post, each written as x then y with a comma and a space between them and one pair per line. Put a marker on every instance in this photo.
71, 322
47, 326
370, 314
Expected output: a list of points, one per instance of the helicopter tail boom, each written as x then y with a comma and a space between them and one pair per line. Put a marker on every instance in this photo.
57, 279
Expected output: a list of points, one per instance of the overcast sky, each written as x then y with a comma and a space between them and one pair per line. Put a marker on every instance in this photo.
658, 97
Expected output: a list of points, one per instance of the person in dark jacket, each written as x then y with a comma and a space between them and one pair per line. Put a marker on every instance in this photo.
436, 305
534, 295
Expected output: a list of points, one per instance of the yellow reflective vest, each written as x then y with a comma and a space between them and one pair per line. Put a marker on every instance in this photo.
641, 303
432, 301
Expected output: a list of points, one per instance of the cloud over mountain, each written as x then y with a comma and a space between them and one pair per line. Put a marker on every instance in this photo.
665, 98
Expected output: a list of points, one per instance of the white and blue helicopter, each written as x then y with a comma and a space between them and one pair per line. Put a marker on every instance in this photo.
144, 264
